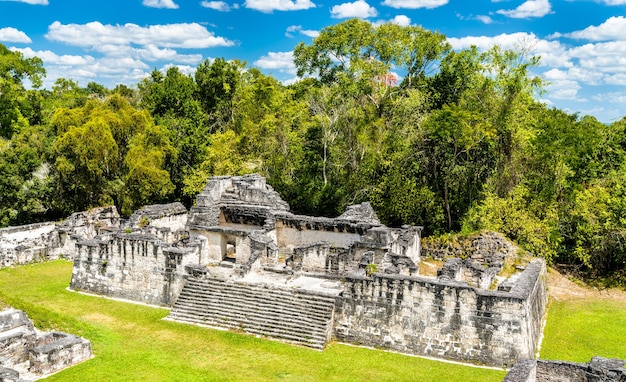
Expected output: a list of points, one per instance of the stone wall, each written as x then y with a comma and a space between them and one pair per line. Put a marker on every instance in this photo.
50, 240
444, 319
598, 370
25, 352
132, 266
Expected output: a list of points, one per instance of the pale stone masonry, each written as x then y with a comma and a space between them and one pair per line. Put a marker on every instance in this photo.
239, 259
27, 354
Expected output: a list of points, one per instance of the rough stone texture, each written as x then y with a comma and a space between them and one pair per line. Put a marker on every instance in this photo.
172, 216
444, 319
132, 266
9, 375
241, 230
598, 370
56, 351
48, 241
523, 371
475, 259
363, 213
24, 351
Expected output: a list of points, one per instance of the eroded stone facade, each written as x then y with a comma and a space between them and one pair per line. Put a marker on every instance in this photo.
27, 354
240, 259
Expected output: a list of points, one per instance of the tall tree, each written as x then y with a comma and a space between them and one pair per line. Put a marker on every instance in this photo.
14, 70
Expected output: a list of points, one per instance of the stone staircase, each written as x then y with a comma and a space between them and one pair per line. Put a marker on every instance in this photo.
294, 316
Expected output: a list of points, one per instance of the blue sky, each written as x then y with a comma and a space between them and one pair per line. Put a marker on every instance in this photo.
582, 42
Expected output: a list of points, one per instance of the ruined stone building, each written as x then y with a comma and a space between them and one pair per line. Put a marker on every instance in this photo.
239, 259
27, 354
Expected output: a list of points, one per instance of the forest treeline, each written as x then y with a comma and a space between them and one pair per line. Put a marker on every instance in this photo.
457, 142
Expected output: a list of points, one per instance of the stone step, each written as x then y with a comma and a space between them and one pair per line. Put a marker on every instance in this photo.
238, 323
212, 283
314, 308
255, 303
245, 321
257, 290
314, 342
241, 314
303, 318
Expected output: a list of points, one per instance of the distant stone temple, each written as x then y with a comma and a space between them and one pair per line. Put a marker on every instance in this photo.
239, 259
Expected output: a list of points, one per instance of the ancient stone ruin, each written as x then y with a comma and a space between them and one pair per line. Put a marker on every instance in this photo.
239, 259
26, 353
598, 370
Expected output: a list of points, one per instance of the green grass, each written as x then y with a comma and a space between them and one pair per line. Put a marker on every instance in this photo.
580, 329
132, 343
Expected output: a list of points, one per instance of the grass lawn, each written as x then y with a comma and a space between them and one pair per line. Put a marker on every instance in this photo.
132, 343
579, 329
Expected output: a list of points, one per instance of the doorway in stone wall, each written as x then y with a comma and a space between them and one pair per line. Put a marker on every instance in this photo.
231, 250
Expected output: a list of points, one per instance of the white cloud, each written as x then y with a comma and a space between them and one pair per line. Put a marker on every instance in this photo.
613, 2
279, 61
32, 2
169, 4
484, 19
298, 29
414, 4
269, 6
221, 6
51, 58
94, 35
401, 20
528, 9
359, 8
10, 34
614, 28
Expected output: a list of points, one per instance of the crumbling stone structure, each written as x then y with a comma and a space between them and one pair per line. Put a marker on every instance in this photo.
239, 259
26, 353
47, 241
598, 370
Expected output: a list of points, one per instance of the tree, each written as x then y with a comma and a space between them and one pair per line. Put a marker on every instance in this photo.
171, 100
14, 70
108, 152
217, 83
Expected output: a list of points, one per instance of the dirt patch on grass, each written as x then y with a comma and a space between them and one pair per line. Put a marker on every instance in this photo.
561, 287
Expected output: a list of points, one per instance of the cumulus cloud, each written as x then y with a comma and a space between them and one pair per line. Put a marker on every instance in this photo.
277, 61
87, 68
614, 28
95, 34
32, 2
298, 29
168, 4
50, 57
269, 6
414, 4
218, 5
401, 20
10, 34
528, 9
359, 8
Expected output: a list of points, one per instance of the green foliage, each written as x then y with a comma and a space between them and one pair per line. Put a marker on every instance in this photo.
108, 152
519, 217
458, 144
26, 184
370, 269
